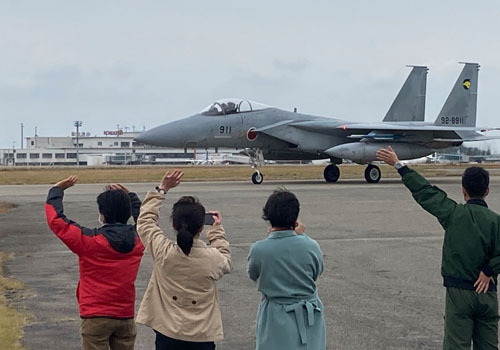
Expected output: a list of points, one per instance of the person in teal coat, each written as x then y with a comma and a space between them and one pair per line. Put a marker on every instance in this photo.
286, 266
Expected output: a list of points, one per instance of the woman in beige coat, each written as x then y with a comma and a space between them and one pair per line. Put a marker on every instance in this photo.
180, 302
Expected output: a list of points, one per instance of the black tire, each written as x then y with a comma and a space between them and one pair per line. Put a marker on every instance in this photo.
331, 173
372, 174
257, 178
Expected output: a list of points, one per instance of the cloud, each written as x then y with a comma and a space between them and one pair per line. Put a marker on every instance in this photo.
152, 62
296, 66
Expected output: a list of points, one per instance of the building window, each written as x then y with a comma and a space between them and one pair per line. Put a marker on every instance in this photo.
32, 143
59, 155
34, 155
21, 156
47, 155
125, 144
71, 155
116, 143
99, 143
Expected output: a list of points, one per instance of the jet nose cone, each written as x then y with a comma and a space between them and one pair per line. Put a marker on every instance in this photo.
178, 133
143, 137
152, 137
140, 138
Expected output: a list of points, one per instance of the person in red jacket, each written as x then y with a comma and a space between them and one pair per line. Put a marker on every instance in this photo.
109, 258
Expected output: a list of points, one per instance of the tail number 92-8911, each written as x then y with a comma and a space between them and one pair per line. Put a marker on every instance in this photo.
453, 120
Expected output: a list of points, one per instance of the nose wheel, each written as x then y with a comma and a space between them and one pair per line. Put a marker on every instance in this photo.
257, 177
331, 173
372, 174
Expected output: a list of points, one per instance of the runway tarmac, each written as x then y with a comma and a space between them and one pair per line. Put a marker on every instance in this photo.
381, 285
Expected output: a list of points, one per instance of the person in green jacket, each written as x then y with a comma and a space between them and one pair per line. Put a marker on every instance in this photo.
471, 254
286, 266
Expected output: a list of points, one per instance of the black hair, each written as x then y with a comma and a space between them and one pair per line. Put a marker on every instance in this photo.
282, 209
115, 206
475, 181
188, 217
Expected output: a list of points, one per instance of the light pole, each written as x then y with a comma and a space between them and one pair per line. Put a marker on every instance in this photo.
77, 124
22, 136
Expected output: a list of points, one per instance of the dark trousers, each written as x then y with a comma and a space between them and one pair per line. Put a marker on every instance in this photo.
470, 316
166, 343
102, 333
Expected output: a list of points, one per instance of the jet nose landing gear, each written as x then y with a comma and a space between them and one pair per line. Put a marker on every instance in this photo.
257, 177
257, 160
372, 174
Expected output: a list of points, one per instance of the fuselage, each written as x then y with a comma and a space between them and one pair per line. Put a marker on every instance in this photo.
273, 131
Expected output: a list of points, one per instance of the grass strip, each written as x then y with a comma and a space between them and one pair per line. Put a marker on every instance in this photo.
107, 174
11, 320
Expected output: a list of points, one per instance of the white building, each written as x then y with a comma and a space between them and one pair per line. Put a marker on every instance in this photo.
114, 147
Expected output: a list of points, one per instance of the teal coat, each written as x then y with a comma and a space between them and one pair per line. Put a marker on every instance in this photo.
290, 316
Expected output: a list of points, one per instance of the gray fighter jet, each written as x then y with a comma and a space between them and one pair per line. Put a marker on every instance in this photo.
266, 132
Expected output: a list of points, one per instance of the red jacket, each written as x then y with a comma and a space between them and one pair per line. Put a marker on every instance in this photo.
109, 258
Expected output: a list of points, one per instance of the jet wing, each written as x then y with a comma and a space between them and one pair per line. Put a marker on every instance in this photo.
269, 127
329, 126
277, 130
397, 132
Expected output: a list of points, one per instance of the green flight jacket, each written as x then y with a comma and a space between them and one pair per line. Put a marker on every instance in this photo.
472, 232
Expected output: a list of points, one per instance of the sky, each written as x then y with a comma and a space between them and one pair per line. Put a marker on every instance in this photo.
140, 64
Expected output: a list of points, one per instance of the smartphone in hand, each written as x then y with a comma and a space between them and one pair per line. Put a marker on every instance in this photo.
209, 219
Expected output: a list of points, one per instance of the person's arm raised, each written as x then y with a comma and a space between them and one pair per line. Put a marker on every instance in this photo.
68, 231
217, 238
431, 198
150, 233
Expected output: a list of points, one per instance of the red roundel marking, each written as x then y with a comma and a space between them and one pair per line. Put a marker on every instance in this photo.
251, 134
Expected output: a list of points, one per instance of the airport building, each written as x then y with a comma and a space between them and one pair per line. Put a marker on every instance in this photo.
112, 148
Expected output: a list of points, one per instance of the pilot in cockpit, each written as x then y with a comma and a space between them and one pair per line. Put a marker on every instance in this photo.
213, 110
231, 108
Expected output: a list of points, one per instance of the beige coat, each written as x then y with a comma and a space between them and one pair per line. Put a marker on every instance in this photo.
181, 298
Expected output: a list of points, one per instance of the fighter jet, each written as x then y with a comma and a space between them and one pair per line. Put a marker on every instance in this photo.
266, 132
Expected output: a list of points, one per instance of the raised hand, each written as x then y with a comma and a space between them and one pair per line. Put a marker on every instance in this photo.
388, 156
171, 180
217, 217
67, 183
300, 228
119, 187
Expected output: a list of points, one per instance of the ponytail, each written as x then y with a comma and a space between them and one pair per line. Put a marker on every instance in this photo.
185, 239
188, 216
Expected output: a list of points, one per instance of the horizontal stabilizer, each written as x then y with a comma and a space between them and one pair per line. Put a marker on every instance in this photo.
468, 139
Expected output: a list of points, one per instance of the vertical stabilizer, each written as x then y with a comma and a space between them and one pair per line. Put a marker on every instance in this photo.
409, 105
460, 106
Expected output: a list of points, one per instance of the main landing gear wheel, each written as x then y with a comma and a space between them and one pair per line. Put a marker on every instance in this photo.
372, 174
331, 173
257, 178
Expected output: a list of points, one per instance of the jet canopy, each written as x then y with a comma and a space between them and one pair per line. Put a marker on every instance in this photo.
232, 106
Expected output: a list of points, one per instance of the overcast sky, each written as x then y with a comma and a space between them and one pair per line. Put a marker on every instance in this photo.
143, 63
